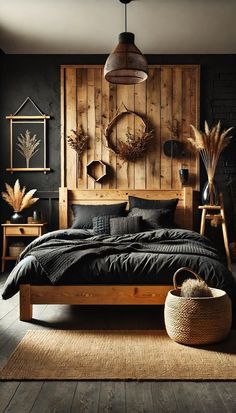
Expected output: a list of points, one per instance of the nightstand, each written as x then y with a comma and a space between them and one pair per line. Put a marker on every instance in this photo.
209, 213
19, 230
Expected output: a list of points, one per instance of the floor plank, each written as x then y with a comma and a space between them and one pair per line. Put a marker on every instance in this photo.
86, 397
139, 397
55, 396
163, 397
7, 391
187, 395
112, 397
24, 397
227, 393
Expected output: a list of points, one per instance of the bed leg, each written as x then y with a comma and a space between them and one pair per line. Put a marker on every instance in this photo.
25, 303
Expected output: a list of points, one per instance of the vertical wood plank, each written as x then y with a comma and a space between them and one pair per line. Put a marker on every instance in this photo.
63, 134
71, 156
131, 124
122, 129
178, 162
140, 106
112, 113
166, 116
186, 119
91, 122
153, 158
98, 109
194, 120
82, 122
104, 124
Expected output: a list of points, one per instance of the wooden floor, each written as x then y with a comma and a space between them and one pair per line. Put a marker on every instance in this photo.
100, 396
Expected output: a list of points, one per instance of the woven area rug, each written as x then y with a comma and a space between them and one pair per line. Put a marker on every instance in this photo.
121, 355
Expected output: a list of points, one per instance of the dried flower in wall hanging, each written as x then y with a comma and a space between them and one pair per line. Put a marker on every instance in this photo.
27, 145
136, 145
78, 141
210, 145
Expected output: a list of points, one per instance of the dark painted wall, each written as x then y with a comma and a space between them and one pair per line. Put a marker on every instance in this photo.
38, 76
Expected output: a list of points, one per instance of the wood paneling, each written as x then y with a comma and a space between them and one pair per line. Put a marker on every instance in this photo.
170, 93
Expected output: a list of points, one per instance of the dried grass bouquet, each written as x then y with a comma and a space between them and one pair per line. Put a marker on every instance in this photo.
17, 198
210, 144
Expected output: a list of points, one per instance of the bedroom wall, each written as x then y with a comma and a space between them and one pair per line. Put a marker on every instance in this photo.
38, 76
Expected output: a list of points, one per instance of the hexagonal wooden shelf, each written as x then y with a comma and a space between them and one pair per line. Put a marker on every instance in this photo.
97, 170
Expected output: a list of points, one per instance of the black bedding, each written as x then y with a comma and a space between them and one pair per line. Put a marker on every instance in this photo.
70, 257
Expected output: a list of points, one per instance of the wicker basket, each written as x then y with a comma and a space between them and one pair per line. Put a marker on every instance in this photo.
197, 320
16, 249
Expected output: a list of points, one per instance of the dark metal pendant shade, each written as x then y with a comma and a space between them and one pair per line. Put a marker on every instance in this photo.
126, 65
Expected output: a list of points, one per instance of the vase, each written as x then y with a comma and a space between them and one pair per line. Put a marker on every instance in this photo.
17, 218
183, 175
210, 194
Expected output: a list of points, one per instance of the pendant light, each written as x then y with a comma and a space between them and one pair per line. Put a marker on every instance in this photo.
126, 65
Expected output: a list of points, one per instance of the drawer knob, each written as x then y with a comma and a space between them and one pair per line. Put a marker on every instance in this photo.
21, 230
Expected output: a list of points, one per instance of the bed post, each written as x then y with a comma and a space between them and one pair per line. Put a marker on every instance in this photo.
63, 207
25, 303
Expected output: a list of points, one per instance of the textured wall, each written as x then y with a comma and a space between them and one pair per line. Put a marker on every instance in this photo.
38, 76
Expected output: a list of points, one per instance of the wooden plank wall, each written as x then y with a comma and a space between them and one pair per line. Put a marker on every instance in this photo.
88, 100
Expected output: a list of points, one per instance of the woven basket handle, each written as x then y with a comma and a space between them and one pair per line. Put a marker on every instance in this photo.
181, 270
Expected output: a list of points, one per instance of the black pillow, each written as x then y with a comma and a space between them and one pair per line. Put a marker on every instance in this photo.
101, 225
154, 218
83, 214
127, 225
135, 202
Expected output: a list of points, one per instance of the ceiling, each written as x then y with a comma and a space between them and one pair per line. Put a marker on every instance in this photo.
92, 26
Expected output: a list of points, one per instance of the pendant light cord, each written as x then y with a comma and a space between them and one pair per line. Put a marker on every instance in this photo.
125, 17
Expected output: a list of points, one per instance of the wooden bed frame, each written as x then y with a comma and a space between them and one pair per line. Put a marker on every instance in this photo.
105, 294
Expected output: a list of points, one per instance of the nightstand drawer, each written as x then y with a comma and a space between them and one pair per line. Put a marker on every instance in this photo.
22, 230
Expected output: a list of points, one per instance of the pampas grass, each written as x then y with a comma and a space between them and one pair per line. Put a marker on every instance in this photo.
195, 288
17, 198
210, 144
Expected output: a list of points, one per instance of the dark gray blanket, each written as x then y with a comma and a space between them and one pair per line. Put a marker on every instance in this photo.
56, 256
78, 257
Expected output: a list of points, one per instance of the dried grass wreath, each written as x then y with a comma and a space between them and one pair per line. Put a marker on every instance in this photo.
135, 147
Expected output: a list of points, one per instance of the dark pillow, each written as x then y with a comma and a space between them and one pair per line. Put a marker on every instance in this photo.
154, 218
83, 214
101, 225
135, 202
127, 225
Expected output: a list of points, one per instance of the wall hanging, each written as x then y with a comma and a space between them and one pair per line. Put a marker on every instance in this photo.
78, 140
126, 65
136, 145
173, 147
28, 140
96, 170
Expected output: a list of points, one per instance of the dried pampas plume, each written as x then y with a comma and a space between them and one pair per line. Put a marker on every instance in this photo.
195, 288
17, 198
27, 145
210, 144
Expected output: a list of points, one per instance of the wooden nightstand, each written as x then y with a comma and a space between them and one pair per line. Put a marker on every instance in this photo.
19, 230
208, 213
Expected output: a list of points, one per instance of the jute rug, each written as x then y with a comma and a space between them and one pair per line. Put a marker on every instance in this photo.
135, 355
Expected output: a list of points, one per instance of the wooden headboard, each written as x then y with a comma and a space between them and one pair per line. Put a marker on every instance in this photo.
67, 197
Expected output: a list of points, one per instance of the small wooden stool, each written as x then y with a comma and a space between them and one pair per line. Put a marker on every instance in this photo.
217, 219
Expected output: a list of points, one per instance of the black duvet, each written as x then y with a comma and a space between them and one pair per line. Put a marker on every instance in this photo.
78, 257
